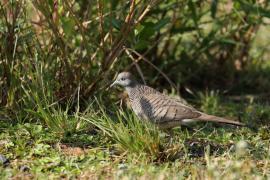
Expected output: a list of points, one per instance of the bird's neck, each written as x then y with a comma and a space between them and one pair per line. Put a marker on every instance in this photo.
133, 91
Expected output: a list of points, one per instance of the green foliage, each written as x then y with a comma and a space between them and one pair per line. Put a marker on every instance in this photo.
130, 134
210, 102
123, 147
79, 43
57, 55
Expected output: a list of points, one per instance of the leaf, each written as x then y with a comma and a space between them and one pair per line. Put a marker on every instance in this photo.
116, 23
183, 29
214, 5
51, 3
112, 23
192, 7
254, 8
142, 44
147, 31
68, 25
114, 4
161, 23
138, 29
229, 41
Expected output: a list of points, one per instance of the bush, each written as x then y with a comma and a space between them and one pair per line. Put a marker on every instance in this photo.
63, 45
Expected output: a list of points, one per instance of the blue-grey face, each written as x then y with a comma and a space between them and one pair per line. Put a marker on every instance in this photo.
123, 79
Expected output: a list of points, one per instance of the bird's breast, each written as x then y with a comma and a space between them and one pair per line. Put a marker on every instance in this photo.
139, 109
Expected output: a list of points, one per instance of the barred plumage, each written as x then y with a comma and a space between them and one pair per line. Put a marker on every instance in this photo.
165, 111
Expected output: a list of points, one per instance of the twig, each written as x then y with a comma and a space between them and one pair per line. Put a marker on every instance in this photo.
146, 10
136, 64
78, 23
100, 13
155, 67
100, 44
117, 46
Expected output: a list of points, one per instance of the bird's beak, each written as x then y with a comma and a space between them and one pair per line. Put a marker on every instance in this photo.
114, 83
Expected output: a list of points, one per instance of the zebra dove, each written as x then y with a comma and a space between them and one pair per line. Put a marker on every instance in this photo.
166, 112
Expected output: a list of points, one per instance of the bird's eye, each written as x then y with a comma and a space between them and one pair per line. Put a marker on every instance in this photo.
122, 79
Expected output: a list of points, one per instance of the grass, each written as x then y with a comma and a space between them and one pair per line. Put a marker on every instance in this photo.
128, 132
120, 146
55, 54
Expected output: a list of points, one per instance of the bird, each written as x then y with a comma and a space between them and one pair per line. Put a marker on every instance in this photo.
164, 111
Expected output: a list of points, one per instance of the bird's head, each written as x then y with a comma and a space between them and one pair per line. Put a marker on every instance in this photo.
124, 79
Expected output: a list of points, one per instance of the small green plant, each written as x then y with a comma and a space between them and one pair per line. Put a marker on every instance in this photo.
55, 118
210, 102
127, 131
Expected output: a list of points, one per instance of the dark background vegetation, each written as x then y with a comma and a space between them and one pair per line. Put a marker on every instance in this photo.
69, 44
58, 56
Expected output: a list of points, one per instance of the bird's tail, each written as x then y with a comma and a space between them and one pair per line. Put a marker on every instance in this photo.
211, 118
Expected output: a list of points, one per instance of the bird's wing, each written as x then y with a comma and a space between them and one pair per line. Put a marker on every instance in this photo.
162, 109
